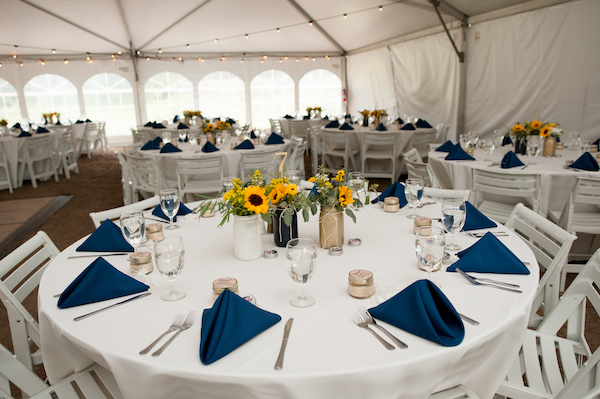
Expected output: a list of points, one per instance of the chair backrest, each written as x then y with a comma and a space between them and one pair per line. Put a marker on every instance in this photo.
316, 147
587, 191
275, 126
551, 245
295, 161
4, 164
389, 140
93, 130
206, 169
442, 194
126, 179
21, 272
39, 144
412, 155
506, 184
138, 137
422, 171
299, 128
144, 174
115, 213
458, 392
421, 140
267, 161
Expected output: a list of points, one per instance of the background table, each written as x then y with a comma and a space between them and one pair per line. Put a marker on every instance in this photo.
13, 150
327, 355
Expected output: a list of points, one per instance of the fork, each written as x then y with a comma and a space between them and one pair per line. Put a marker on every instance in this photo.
489, 280
425, 204
187, 324
479, 235
360, 321
473, 281
177, 322
493, 164
370, 320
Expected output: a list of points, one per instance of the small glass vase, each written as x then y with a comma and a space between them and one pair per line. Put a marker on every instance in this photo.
549, 146
331, 227
247, 237
283, 233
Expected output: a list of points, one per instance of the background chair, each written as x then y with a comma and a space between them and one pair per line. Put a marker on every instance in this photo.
442, 194
421, 140
495, 193
337, 145
37, 155
295, 160
299, 129
115, 213
65, 153
381, 147
422, 171
267, 161
5, 180
316, 148
126, 179
276, 127
441, 133
147, 177
138, 137
459, 392
551, 245
201, 175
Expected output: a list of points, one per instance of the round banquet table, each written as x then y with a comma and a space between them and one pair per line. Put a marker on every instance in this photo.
404, 136
327, 355
556, 181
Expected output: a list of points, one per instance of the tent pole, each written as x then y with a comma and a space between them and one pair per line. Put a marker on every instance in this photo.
462, 86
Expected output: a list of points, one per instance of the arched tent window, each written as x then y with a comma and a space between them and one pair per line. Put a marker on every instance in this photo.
168, 94
109, 97
9, 103
51, 93
272, 97
321, 88
223, 94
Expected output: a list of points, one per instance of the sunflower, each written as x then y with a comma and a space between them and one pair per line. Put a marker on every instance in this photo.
340, 175
292, 189
345, 196
545, 131
256, 200
536, 124
518, 128
275, 196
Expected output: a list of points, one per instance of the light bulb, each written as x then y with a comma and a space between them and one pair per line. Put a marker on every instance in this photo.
66, 61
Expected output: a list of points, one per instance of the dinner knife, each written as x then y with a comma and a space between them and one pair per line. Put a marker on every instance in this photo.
286, 334
111, 306
96, 255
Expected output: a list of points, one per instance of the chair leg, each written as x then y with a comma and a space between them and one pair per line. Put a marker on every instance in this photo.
31, 175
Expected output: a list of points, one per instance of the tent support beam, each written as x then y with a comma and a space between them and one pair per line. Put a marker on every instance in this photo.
461, 54
443, 6
73, 24
316, 24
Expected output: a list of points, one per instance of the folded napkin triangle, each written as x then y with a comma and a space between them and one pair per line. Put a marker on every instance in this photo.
209, 147
381, 127
106, 238
585, 162
98, 282
346, 126
158, 126
274, 138
475, 220
245, 145
422, 309
423, 124
169, 148
183, 210
446, 147
510, 160
24, 134
253, 135
399, 121
150, 145
231, 322
458, 154
395, 190
333, 124
288, 116
507, 141
488, 255
182, 126
408, 126
41, 129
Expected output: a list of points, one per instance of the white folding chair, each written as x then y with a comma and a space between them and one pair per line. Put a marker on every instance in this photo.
94, 382
37, 155
422, 171
337, 145
551, 245
410, 155
5, 181
316, 148
442, 194
549, 366
421, 140
381, 147
276, 127
115, 213
90, 130
266, 161
458, 392
138, 137
147, 177
299, 129
295, 160
495, 193
20, 272
202, 175
65, 153
126, 179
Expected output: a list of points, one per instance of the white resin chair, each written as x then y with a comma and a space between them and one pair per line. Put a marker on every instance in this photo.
442, 194
299, 129
458, 392
65, 153
267, 161
37, 155
20, 272
115, 213
381, 147
295, 158
126, 179
201, 175
5, 180
147, 177
316, 148
337, 145
422, 171
421, 140
276, 127
551, 245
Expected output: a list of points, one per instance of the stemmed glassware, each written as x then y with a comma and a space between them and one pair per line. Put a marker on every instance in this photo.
293, 176
498, 139
301, 262
356, 182
169, 203
170, 256
133, 225
463, 139
413, 192
453, 216
533, 146
488, 147
429, 247
166, 137
473, 139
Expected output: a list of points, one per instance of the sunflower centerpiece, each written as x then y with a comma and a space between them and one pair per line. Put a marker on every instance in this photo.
533, 129
209, 129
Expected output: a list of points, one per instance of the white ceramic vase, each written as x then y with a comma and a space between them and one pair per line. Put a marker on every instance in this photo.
246, 237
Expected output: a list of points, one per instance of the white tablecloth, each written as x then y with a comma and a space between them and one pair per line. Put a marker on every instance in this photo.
327, 355
556, 182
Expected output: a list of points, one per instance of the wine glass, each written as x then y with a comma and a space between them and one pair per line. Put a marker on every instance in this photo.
488, 147
413, 192
166, 137
583, 146
429, 247
182, 135
133, 225
454, 215
533, 146
169, 254
301, 261
356, 182
169, 203
498, 139
473, 139
293, 177
463, 139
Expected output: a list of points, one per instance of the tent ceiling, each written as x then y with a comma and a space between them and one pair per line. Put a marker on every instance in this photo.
99, 27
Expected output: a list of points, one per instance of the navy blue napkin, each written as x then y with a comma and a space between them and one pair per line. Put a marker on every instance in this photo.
209, 147
253, 135
158, 126
381, 128
423, 124
333, 124
88, 120
58, 123
24, 134
507, 141
395, 190
458, 154
100, 281
79, 121
41, 129
422, 309
597, 142
246, 145
150, 145
176, 119
148, 124
488, 255
585, 162
157, 140
182, 126
231, 121
346, 126
16, 125
306, 117
408, 126
231, 322
106, 238
475, 220
446, 147
169, 148
183, 210
510, 160
326, 118
274, 138
400, 121
288, 117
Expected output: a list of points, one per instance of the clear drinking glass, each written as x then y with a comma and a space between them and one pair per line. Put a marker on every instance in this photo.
182, 134
301, 262
166, 137
463, 139
473, 139
169, 203
293, 176
488, 147
533, 146
429, 247
582, 147
356, 182
133, 225
413, 192
193, 138
169, 255
498, 139
453, 216
228, 183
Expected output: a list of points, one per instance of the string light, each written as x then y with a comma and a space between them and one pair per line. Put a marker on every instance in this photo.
179, 58
66, 61
14, 56
138, 52
147, 58
187, 45
113, 57
173, 59
216, 40
313, 58
0, 65
380, 8
118, 52
198, 59
310, 23
262, 61
159, 51
246, 35
53, 51
265, 56
277, 30
20, 64
297, 59
42, 62
280, 60
285, 58
222, 58
201, 59
345, 16
90, 60
305, 58
242, 60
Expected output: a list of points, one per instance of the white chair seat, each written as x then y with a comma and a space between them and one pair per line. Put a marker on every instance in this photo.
496, 210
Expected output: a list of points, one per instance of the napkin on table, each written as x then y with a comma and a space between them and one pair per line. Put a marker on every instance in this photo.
231, 322
381, 127
106, 238
88, 120
288, 117
408, 126
488, 255
333, 124
507, 141
585, 162
475, 220
41, 129
395, 190
510, 160
346, 126
58, 123
169, 148
16, 125
400, 121
274, 138
209, 147
158, 126
253, 135
306, 117
79, 121
246, 145
423, 124
422, 309
150, 145
325, 118
458, 154
182, 126
446, 147
183, 210
148, 124
24, 134
176, 119
100, 281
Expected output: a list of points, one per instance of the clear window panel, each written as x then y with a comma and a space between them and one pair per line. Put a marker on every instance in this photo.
321, 88
9, 103
222, 94
168, 94
52, 93
272, 94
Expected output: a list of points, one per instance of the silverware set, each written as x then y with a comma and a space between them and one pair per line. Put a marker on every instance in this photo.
501, 285
481, 234
363, 319
179, 325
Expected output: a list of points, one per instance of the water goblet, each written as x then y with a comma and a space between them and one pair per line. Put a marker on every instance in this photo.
301, 262
193, 138
413, 192
582, 147
356, 182
182, 135
293, 176
133, 225
473, 139
166, 137
429, 248
228, 183
463, 139
169, 203
169, 255
453, 216
488, 147
498, 139
533, 146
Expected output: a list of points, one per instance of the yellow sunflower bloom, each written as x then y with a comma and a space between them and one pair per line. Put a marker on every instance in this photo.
256, 200
275, 196
340, 175
518, 128
536, 124
282, 188
312, 179
345, 196
292, 189
553, 125
545, 131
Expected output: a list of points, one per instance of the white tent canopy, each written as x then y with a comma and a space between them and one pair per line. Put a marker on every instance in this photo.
522, 58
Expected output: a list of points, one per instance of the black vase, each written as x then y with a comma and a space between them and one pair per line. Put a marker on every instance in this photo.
520, 145
282, 233
365, 121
